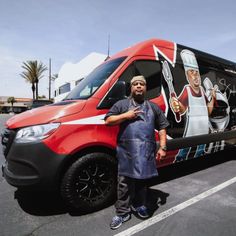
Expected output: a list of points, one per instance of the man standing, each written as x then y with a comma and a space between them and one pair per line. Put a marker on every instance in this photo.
136, 149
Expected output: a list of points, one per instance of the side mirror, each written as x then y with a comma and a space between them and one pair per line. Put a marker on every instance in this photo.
117, 92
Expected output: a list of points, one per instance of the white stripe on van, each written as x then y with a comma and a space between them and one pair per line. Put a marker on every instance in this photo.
93, 120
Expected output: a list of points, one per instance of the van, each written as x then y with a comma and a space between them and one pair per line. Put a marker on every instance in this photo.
39, 102
66, 146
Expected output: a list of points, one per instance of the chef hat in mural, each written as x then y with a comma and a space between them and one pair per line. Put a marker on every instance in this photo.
189, 60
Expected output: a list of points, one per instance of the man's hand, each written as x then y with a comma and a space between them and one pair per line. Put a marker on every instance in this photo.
133, 113
129, 115
161, 154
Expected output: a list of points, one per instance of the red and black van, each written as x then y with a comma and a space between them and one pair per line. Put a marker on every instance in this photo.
66, 146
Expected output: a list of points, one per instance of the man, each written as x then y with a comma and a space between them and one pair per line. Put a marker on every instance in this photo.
136, 149
194, 103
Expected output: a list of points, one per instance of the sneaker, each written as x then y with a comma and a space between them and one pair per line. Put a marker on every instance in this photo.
117, 221
141, 211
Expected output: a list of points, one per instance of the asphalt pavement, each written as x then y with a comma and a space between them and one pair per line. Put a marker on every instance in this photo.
192, 198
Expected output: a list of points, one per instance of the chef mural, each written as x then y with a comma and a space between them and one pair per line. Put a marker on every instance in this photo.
192, 102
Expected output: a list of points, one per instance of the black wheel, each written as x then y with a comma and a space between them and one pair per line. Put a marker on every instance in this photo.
90, 182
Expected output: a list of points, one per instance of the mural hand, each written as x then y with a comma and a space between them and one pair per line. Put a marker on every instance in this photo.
175, 104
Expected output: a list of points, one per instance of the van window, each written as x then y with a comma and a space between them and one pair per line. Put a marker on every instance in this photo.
151, 70
94, 80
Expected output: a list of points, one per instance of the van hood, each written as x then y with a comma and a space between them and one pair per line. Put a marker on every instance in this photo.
45, 114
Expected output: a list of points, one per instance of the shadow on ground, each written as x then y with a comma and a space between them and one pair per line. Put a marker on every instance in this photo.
40, 203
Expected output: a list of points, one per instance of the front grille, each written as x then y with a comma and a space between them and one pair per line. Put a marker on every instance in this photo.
7, 139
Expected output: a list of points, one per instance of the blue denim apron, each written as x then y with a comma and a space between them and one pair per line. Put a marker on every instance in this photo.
136, 147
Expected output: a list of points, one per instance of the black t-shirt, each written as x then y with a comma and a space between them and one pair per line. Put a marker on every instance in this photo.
122, 106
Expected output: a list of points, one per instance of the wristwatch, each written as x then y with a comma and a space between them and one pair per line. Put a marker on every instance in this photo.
164, 148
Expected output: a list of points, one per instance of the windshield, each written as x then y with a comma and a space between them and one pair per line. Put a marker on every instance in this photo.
94, 80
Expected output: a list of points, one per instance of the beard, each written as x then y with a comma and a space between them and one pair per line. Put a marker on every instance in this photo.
138, 97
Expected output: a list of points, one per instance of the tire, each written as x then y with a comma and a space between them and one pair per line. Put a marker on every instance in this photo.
90, 182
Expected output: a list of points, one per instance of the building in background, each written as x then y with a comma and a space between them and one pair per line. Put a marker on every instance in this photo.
20, 105
71, 74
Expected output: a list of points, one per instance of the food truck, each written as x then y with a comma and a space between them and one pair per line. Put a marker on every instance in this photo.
67, 147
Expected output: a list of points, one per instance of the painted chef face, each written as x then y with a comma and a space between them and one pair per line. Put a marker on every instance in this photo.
138, 90
194, 78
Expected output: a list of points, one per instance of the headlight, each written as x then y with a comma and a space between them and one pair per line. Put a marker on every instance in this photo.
35, 133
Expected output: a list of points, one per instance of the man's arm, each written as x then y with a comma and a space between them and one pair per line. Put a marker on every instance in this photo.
117, 119
162, 140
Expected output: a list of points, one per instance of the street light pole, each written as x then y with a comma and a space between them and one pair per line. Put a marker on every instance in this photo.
49, 89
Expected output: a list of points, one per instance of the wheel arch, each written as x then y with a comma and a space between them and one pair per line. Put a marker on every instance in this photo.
70, 159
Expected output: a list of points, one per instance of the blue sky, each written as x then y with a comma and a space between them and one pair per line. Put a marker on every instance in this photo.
68, 30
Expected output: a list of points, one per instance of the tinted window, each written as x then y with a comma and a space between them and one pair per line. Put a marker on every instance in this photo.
64, 88
151, 70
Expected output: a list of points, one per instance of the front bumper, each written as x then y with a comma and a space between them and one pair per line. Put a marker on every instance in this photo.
33, 165
19, 180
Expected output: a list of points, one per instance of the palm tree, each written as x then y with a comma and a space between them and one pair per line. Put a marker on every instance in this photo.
11, 100
28, 77
32, 74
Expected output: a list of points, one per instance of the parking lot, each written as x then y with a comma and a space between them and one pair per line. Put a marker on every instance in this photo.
192, 198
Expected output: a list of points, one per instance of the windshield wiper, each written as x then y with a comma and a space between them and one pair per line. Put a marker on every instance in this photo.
68, 99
